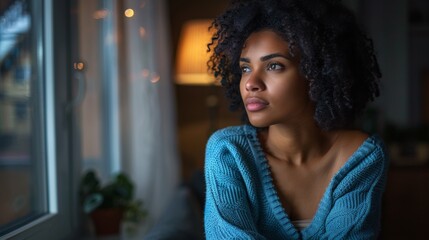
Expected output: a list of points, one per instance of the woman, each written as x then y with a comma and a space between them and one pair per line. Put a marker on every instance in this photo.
301, 71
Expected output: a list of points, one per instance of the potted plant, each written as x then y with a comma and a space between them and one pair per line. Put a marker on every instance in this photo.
109, 205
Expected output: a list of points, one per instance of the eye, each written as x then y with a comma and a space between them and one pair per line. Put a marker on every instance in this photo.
275, 66
245, 69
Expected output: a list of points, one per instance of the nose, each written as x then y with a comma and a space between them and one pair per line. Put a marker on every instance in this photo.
254, 83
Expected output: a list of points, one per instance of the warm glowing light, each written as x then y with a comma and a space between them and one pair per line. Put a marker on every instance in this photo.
155, 78
100, 14
78, 66
142, 32
129, 13
145, 73
192, 55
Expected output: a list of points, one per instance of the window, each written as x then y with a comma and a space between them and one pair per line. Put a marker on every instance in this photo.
30, 148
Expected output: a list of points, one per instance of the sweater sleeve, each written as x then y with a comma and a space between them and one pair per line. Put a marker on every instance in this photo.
227, 211
356, 209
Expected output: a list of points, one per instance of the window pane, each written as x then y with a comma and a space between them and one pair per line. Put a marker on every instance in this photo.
22, 175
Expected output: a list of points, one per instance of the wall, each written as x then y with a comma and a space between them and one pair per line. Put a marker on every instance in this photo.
387, 23
419, 61
194, 118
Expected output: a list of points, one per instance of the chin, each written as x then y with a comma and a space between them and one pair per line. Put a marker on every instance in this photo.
258, 123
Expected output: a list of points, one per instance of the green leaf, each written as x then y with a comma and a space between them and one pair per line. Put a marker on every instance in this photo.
92, 202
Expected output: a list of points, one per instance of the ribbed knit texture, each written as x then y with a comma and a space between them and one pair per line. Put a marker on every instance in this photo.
242, 202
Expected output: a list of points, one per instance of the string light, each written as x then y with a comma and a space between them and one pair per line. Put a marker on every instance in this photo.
129, 13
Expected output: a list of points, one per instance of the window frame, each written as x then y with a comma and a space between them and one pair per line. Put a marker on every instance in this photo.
61, 220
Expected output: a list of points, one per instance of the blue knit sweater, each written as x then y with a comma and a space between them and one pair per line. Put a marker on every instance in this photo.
242, 203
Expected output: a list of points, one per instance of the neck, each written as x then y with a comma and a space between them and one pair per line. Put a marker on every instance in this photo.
298, 144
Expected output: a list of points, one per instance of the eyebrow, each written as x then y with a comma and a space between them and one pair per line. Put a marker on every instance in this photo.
268, 57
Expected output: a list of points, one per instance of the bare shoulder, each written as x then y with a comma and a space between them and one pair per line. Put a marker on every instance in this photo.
352, 137
348, 142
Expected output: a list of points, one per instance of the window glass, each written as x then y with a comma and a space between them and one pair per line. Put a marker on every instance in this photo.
22, 175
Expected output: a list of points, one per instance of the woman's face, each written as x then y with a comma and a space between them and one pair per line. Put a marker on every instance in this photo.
272, 87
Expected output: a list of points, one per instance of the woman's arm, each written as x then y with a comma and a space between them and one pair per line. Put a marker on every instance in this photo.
227, 210
357, 201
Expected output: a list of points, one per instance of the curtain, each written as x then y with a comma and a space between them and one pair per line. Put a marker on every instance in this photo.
128, 113
148, 139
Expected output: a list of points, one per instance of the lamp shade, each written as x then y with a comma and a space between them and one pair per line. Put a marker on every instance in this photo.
192, 55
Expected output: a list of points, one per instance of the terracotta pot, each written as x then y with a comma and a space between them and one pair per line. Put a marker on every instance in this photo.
107, 221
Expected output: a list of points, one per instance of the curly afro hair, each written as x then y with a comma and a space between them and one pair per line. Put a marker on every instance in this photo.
335, 55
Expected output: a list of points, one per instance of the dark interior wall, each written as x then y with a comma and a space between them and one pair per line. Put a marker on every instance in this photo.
195, 120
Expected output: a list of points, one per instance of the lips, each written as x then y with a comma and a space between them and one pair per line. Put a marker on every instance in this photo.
254, 104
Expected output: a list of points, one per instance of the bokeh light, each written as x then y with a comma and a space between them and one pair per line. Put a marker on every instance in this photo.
129, 13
